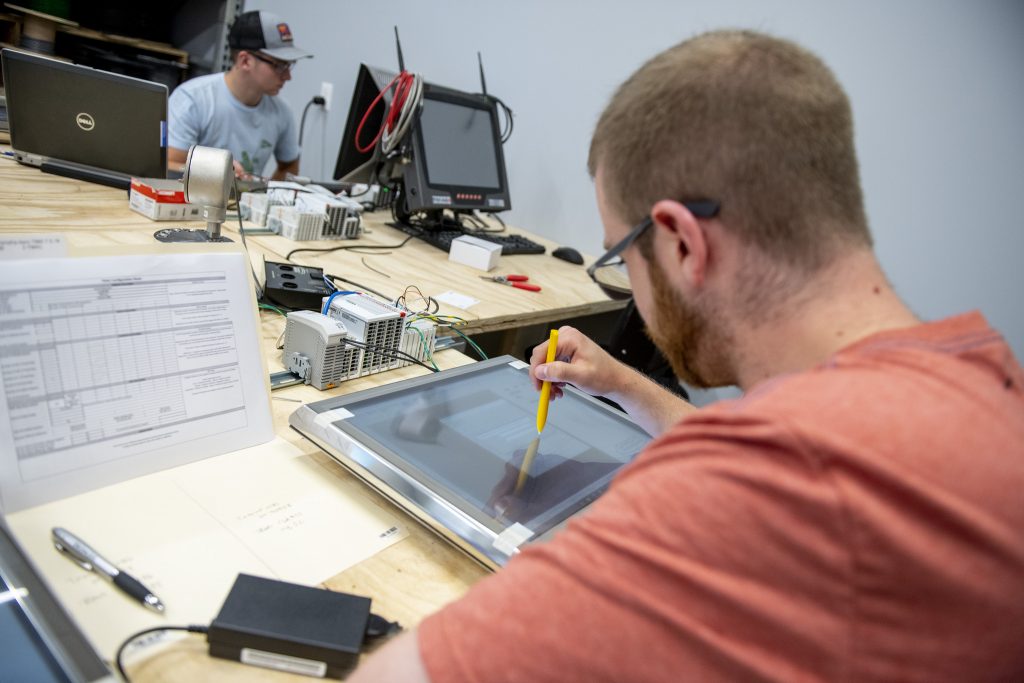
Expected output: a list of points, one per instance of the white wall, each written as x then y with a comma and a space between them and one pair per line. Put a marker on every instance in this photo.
936, 85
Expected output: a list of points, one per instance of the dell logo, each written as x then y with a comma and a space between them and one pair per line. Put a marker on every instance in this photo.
85, 121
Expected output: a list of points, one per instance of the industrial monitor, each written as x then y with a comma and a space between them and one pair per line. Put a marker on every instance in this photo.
459, 450
451, 159
457, 158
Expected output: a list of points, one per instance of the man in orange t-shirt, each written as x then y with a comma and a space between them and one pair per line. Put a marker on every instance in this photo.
857, 515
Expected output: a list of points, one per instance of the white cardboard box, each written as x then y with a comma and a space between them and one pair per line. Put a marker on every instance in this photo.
475, 252
161, 200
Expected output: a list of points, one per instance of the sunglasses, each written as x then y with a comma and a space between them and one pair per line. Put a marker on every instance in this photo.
607, 272
279, 67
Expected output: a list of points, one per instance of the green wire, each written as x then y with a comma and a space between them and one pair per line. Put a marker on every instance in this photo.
470, 342
275, 309
426, 350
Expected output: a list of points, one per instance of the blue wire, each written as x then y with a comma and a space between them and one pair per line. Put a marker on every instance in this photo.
327, 306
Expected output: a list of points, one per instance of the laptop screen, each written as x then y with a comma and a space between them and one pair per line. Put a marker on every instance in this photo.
70, 113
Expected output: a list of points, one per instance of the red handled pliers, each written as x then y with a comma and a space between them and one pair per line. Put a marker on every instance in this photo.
517, 281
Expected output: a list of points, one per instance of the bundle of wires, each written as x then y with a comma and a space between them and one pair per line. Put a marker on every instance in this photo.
506, 129
428, 312
405, 100
384, 351
452, 323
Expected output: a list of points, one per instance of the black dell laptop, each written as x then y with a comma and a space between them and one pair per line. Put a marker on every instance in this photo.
76, 121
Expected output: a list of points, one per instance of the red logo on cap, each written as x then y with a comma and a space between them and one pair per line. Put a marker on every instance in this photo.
284, 32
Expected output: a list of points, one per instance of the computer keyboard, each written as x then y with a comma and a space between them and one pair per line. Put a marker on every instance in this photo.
442, 239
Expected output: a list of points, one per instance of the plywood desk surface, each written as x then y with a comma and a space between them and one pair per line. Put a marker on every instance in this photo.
566, 290
93, 215
407, 581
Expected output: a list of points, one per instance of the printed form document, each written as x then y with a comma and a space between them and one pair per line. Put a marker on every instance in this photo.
114, 367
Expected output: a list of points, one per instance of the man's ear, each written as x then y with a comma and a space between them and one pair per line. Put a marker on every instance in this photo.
680, 243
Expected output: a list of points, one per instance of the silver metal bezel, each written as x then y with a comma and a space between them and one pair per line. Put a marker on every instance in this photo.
436, 508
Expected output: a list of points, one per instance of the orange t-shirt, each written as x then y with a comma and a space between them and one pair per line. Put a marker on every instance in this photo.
860, 521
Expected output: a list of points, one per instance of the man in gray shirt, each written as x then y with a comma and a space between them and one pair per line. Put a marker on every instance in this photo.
239, 110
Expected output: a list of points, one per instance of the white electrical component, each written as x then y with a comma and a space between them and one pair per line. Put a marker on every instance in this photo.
283, 191
315, 349
418, 340
341, 215
289, 222
274, 217
308, 215
377, 326
253, 207
245, 204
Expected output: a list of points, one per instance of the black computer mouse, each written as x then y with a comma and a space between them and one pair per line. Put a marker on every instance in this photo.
568, 254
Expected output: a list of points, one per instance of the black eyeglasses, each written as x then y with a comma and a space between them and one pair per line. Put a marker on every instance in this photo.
611, 279
279, 67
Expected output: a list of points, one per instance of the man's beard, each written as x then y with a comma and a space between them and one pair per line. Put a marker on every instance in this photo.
697, 349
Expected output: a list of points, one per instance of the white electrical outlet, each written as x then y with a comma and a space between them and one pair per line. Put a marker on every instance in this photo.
326, 90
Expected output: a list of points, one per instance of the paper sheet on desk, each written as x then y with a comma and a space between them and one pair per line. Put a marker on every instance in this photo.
113, 367
463, 301
32, 245
186, 533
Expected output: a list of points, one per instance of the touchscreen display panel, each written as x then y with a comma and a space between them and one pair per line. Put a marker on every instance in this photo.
27, 658
476, 436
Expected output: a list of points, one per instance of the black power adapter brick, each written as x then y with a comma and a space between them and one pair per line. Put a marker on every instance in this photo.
292, 628
296, 287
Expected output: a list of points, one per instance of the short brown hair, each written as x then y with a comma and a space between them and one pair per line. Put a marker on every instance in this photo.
754, 122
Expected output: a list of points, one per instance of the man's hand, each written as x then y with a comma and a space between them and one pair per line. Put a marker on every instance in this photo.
284, 168
588, 367
578, 361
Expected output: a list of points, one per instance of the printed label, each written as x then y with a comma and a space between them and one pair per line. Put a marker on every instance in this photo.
19, 246
273, 660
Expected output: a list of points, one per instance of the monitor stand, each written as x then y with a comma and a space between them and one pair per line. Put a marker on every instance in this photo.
438, 229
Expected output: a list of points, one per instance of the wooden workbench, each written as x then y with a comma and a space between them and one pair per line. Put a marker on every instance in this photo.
421, 573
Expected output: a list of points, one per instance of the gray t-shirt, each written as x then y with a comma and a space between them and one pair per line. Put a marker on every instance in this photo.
203, 111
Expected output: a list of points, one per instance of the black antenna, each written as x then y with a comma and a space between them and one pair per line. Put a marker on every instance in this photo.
483, 81
398, 46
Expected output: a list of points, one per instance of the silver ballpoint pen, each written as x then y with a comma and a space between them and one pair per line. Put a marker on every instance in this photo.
90, 560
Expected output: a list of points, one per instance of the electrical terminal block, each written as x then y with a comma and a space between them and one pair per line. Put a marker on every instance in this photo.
419, 340
376, 326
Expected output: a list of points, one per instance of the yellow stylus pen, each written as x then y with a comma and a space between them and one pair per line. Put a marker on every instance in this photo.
545, 390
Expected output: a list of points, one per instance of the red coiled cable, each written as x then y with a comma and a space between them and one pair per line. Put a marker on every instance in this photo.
402, 83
